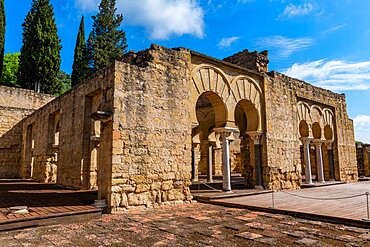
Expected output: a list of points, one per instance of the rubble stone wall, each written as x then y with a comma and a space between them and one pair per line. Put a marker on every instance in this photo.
15, 105
362, 152
151, 162
284, 163
69, 157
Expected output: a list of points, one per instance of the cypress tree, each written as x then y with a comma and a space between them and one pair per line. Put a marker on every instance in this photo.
80, 68
106, 43
40, 54
2, 35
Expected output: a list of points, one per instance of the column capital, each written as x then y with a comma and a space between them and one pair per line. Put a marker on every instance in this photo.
329, 144
214, 139
226, 132
305, 140
255, 136
317, 142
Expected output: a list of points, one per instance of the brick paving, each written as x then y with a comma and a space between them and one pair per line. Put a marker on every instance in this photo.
191, 225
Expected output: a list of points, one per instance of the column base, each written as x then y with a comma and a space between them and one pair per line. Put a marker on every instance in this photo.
258, 187
210, 181
194, 180
308, 182
227, 191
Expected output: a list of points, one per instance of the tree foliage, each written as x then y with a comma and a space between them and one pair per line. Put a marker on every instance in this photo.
106, 43
80, 67
10, 69
40, 53
2, 35
65, 81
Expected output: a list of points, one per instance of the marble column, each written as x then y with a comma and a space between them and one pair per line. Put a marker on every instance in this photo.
210, 163
331, 161
319, 162
307, 159
226, 169
256, 138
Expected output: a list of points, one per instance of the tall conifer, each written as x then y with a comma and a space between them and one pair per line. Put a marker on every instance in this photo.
106, 43
40, 54
80, 68
2, 35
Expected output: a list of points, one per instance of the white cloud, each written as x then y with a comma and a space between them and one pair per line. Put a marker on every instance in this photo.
161, 18
283, 45
362, 128
292, 10
334, 75
336, 28
227, 42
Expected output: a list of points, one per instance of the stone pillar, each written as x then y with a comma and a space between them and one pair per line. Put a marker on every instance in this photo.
194, 175
256, 138
307, 159
210, 163
331, 161
226, 169
319, 162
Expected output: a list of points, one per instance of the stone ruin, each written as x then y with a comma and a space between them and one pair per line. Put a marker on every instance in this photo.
140, 130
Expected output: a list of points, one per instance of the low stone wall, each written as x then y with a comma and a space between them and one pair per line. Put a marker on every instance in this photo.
15, 105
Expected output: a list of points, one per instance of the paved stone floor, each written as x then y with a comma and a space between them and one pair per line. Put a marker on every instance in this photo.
191, 225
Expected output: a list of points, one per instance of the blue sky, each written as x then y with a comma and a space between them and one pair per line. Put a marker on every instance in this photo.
322, 42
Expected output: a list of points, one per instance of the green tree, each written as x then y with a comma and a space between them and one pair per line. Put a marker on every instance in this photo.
106, 43
80, 67
40, 54
10, 69
2, 35
65, 81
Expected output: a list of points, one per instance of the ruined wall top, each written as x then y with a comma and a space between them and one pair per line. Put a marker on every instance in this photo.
250, 60
22, 98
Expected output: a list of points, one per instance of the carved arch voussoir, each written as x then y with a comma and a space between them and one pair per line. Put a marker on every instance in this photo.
304, 112
210, 78
244, 87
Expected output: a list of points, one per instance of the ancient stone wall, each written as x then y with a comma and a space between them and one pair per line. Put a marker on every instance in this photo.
250, 60
363, 159
57, 138
151, 130
15, 105
282, 94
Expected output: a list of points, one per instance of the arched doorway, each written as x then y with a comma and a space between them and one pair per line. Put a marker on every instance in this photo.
217, 119
247, 121
207, 152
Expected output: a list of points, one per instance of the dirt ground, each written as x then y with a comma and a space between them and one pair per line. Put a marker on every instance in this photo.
191, 225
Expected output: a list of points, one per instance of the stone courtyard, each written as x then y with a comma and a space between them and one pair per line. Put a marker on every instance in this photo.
191, 225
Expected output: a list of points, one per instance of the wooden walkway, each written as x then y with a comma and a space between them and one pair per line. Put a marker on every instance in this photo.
47, 204
312, 202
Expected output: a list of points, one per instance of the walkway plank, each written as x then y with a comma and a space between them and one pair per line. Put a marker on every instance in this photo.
300, 201
45, 203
